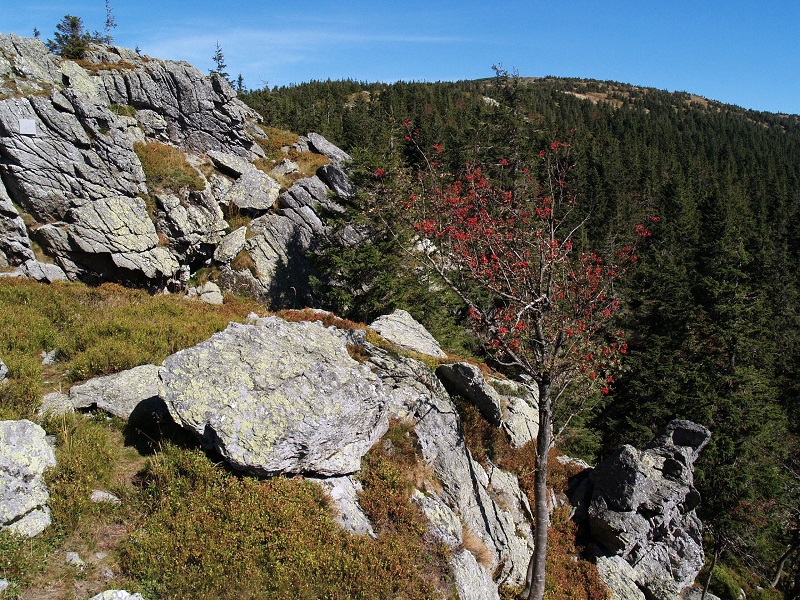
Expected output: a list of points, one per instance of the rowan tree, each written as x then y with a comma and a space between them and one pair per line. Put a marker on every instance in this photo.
503, 238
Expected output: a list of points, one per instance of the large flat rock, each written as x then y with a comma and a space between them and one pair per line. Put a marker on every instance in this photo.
277, 397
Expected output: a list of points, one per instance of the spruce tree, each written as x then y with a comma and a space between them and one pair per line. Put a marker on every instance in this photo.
71, 40
219, 62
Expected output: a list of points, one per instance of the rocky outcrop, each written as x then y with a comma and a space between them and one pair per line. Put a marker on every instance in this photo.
25, 454
277, 244
277, 397
15, 247
252, 190
286, 397
416, 394
344, 493
640, 506
401, 329
68, 162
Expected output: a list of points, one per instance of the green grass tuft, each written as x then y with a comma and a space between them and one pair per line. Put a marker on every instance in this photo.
96, 331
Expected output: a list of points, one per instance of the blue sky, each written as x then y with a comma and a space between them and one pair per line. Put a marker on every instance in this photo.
743, 53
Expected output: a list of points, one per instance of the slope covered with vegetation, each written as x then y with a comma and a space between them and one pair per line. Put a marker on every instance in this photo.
188, 525
712, 311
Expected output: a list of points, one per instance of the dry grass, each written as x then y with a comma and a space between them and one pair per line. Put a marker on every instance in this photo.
94, 67
244, 262
472, 542
124, 110
166, 168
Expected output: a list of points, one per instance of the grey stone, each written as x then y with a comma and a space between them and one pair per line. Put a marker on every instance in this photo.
620, 578
520, 420
401, 329
48, 358
230, 246
122, 393
3, 370
277, 397
470, 578
4, 585
55, 403
466, 380
443, 523
110, 238
44, 272
99, 496
641, 508
323, 146
230, 164
74, 559
193, 224
472, 581
336, 179
15, 246
117, 595
278, 247
25, 454
695, 593
311, 192
344, 493
285, 167
210, 293
254, 190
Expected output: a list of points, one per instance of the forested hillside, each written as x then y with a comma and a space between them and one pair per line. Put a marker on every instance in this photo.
712, 313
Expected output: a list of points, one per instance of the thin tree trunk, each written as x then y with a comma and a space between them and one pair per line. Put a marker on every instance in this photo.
541, 511
710, 572
781, 562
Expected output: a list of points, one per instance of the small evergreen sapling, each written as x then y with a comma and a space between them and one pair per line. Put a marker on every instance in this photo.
70, 39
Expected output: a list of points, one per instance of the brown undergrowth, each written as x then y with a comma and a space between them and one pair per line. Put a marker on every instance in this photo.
571, 572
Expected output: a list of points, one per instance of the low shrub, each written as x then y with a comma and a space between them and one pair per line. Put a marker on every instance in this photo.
724, 583
208, 533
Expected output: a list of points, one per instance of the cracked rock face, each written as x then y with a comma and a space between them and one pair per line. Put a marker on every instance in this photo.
642, 510
467, 488
15, 247
68, 166
67, 159
277, 397
24, 456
